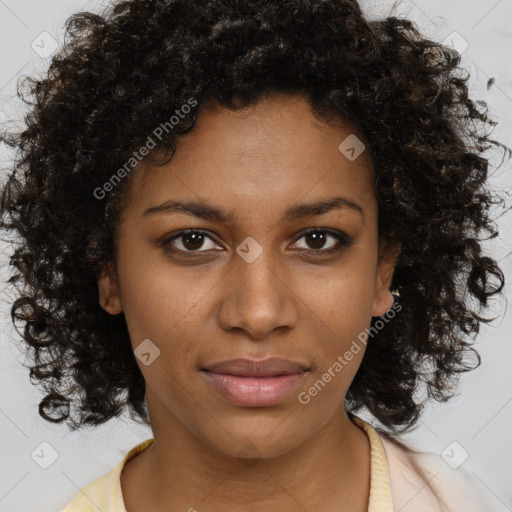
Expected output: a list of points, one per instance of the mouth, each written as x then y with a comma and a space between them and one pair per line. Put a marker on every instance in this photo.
252, 383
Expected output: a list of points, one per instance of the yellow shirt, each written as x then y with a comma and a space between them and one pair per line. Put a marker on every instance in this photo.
394, 486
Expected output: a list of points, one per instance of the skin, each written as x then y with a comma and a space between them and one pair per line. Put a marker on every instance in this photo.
209, 454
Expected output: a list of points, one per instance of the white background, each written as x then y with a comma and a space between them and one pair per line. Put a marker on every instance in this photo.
479, 420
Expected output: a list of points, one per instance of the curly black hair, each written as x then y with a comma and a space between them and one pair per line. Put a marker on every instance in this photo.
128, 69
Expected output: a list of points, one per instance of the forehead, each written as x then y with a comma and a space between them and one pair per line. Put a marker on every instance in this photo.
276, 151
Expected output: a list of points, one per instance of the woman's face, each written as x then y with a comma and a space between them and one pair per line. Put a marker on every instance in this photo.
253, 285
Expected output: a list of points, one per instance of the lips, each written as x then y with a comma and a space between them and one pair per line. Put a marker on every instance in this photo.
255, 383
271, 367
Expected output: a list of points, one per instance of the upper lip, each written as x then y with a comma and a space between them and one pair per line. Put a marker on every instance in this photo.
271, 367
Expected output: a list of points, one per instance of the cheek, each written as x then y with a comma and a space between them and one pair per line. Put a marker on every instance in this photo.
342, 304
157, 297
342, 298
166, 305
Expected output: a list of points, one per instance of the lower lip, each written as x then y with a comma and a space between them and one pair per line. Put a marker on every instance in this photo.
254, 391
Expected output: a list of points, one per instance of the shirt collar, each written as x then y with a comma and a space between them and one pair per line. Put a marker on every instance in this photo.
380, 486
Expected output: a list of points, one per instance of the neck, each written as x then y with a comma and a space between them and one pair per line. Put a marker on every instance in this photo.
330, 470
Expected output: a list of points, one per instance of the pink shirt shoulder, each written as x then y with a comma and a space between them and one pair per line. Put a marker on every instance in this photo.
424, 482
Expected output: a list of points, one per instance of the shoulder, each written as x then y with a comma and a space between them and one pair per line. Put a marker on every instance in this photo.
424, 482
104, 493
98, 495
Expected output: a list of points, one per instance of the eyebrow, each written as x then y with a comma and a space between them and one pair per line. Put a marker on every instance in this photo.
209, 212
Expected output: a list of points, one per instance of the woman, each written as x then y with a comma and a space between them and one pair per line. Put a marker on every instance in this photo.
220, 204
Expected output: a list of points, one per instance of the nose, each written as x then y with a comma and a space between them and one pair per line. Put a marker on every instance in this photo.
258, 297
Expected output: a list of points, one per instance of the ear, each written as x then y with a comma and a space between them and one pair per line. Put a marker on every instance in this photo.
388, 256
108, 288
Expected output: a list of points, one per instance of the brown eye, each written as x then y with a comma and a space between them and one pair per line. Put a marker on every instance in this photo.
317, 238
191, 241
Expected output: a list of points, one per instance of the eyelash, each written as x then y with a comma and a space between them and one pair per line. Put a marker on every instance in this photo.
343, 241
